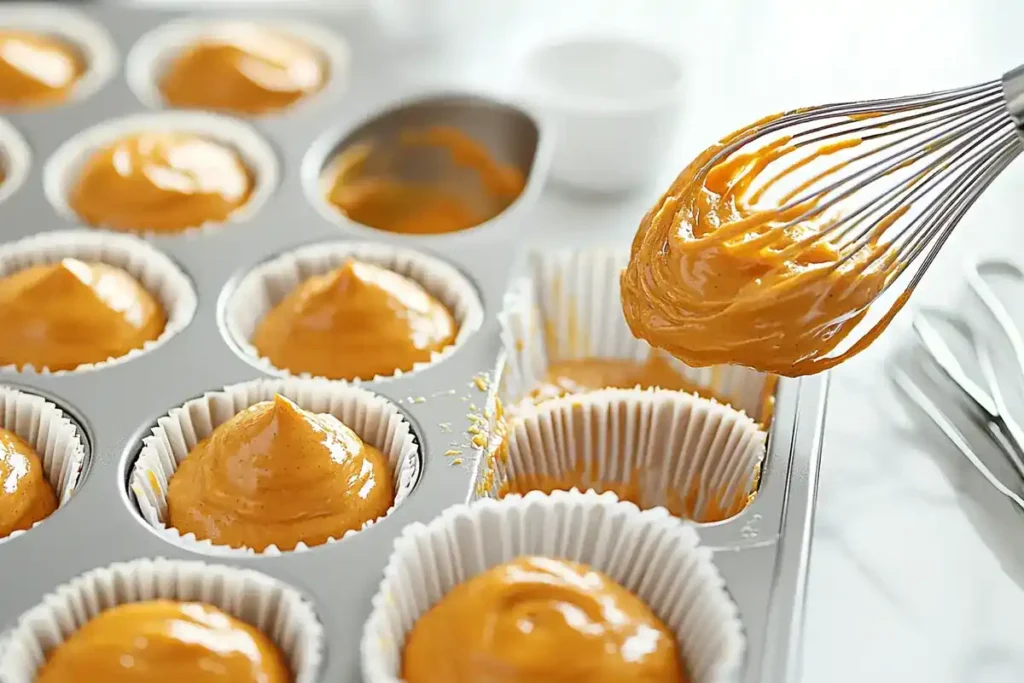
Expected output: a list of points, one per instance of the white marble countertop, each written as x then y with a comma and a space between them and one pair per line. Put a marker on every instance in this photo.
903, 585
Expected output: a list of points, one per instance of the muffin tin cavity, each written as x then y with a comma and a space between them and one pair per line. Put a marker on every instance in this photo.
83, 34
63, 169
438, 165
15, 159
156, 52
377, 421
244, 306
274, 608
56, 437
154, 271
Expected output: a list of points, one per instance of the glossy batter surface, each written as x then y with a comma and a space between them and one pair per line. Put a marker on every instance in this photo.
25, 494
716, 276
37, 69
387, 202
161, 182
275, 474
248, 71
66, 314
539, 619
162, 641
357, 321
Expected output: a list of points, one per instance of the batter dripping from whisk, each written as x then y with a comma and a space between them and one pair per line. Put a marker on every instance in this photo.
719, 275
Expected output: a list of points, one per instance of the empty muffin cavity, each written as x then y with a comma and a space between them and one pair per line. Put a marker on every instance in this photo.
697, 458
267, 285
156, 53
237, 198
155, 273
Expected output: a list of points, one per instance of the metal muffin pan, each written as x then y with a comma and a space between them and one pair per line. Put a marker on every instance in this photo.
763, 552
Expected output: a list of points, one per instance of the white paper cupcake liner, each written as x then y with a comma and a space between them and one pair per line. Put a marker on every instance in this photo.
157, 274
276, 609
569, 308
15, 159
89, 36
694, 456
51, 434
63, 168
270, 282
375, 419
655, 556
155, 51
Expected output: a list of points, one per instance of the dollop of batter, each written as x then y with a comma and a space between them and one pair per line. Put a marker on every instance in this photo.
275, 474
382, 200
249, 70
716, 277
162, 641
25, 495
161, 182
66, 314
539, 619
357, 321
37, 69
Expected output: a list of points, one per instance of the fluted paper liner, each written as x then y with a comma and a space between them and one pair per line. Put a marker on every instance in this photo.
63, 168
569, 307
655, 556
376, 420
276, 609
15, 158
87, 35
51, 434
154, 52
696, 457
270, 282
157, 274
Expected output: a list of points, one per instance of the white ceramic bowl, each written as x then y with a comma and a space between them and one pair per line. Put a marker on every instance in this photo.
614, 104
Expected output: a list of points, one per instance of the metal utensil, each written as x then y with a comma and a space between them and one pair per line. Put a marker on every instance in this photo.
888, 180
919, 397
988, 408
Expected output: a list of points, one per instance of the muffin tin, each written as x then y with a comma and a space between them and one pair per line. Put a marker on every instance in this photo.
762, 552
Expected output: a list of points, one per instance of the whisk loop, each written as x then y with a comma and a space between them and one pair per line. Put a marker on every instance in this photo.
835, 202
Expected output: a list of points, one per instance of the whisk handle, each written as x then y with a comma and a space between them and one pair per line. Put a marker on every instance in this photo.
1013, 91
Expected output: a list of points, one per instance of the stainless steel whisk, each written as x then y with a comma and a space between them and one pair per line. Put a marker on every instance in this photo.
936, 153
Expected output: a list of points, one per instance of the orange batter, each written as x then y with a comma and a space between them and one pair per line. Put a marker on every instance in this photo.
380, 199
357, 321
37, 69
25, 494
587, 374
247, 71
715, 278
161, 182
275, 474
539, 619
62, 315
161, 641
